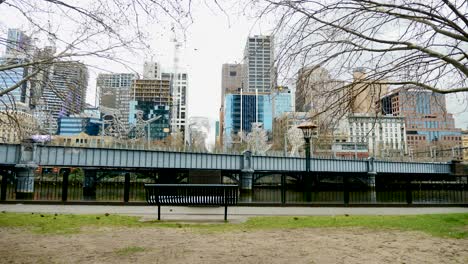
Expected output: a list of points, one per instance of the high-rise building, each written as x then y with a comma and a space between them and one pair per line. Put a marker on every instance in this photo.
17, 44
426, 117
231, 79
259, 73
152, 98
114, 92
179, 111
241, 111
231, 82
64, 92
364, 94
249, 99
9, 78
316, 90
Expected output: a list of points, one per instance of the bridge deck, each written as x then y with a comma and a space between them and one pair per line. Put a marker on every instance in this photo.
127, 158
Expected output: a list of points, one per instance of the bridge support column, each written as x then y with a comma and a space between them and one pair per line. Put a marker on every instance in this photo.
25, 172
6, 175
246, 186
246, 178
24, 183
89, 184
371, 173
371, 185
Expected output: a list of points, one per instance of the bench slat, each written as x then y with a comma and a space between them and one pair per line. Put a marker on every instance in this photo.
191, 194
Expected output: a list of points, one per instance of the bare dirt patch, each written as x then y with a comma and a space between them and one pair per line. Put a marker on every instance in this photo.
185, 245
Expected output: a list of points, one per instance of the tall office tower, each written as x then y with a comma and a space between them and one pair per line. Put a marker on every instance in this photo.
17, 44
259, 73
231, 83
364, 94
252, 103
59, 91
151, 70
426, 117
9, 78
179, 110
114, 93
152, 99
316, 91
243, 110
64, 90
231, 79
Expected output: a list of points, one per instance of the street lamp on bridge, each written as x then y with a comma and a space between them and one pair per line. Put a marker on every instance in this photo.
308, 129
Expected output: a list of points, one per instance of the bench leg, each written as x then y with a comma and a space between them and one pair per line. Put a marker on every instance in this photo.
225, 213
159, 212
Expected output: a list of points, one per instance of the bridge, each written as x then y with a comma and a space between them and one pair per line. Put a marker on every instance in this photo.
20, 156
19, 161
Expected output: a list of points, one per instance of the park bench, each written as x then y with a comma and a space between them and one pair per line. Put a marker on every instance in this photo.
191, 194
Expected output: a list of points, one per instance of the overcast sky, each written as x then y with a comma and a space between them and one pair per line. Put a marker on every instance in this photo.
212, 39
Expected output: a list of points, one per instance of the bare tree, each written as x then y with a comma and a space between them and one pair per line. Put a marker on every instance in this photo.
257, 139
405, 42
87, 29
397, 42
60, 33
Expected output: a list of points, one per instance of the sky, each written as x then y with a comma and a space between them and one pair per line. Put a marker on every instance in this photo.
212, 39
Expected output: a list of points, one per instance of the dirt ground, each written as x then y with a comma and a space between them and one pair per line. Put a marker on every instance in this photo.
185, 245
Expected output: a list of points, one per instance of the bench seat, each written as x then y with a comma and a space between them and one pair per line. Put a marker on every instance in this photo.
192, 194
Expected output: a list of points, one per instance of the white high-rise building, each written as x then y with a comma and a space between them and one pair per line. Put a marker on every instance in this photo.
179, 86
259, 73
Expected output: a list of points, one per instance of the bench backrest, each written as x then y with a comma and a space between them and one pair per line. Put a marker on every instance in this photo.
192, 194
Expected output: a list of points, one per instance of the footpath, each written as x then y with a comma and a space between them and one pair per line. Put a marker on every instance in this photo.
235, 213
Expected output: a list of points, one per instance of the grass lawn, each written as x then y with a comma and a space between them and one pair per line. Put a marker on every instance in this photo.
441, 225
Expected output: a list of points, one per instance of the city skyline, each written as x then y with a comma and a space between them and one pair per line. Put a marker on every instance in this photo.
203, 60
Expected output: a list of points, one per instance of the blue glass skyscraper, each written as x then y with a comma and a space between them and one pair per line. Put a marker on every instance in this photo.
235, 119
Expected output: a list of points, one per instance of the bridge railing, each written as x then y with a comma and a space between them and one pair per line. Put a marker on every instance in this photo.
267, 188
272, 153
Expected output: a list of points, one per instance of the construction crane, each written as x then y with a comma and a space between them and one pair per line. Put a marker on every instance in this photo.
176, 87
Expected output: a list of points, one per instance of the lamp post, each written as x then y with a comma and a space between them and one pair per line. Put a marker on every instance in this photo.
307, 129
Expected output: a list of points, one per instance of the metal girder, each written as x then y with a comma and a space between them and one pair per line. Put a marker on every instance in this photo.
9, 154
128, 158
